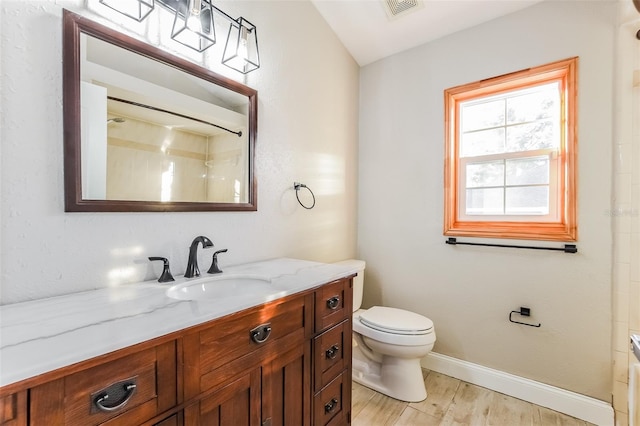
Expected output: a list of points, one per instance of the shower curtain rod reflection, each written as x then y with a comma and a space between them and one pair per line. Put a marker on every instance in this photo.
568, 248
239, 133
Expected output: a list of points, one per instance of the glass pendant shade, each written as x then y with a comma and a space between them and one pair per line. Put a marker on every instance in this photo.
134, 9
241, 50
193, 25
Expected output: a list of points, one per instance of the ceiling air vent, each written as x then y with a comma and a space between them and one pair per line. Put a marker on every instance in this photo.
398, 8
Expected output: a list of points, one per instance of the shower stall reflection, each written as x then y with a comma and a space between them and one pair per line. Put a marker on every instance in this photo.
179, 162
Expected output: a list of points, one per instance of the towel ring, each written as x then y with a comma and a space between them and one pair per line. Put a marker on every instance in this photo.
297, 186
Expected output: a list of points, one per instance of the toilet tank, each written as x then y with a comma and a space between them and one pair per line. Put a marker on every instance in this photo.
358, 281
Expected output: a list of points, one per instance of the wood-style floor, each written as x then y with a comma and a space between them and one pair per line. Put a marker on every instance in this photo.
452, 402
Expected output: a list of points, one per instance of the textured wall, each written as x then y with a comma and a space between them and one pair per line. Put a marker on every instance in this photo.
307, 131
469, 291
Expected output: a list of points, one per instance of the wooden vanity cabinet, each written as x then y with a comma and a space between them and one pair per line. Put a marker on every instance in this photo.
284, 363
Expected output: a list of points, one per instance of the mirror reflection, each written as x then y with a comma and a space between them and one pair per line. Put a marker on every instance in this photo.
153, 132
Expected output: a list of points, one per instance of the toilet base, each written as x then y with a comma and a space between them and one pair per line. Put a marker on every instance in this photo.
395, 377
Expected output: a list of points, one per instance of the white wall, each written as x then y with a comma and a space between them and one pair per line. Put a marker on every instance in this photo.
469, 291
307, 131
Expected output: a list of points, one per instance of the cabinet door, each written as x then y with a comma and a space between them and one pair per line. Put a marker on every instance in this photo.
235, 404
13, 409
286, 396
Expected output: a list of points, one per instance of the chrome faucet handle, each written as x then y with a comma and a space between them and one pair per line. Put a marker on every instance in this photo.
214, 269
166, 272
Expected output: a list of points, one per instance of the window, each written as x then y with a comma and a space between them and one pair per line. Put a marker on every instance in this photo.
510, 155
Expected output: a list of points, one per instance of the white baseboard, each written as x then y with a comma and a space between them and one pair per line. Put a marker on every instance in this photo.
573, 404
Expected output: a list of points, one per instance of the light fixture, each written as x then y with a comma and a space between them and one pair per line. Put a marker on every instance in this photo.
193, 27
241, 50
134, 9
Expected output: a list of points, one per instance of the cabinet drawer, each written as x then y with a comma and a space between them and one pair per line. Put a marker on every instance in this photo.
227, 346
333, 303
333, 404
332, 353
125, 391
232, 338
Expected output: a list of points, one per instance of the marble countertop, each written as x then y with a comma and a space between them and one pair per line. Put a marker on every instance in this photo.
43, 335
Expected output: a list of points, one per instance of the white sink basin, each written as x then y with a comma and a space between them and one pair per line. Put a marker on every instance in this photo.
221, 287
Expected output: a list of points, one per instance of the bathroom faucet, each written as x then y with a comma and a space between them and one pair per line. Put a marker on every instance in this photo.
192, 264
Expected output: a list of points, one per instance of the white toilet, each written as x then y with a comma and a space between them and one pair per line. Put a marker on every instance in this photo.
388, 344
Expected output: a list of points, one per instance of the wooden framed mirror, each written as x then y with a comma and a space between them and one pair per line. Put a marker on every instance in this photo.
147, 131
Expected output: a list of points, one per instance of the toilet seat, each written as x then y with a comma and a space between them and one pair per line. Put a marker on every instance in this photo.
396, 321
419, 338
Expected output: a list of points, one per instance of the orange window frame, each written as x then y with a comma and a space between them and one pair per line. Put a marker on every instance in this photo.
565, 228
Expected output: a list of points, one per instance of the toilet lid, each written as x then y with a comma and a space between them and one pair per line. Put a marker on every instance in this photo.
397, 321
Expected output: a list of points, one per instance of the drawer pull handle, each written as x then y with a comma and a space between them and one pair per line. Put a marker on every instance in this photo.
121, 392
332, 352
331, 405
333, 303
261, 333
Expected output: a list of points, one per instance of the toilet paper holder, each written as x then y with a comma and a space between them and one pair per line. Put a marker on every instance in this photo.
525, 312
